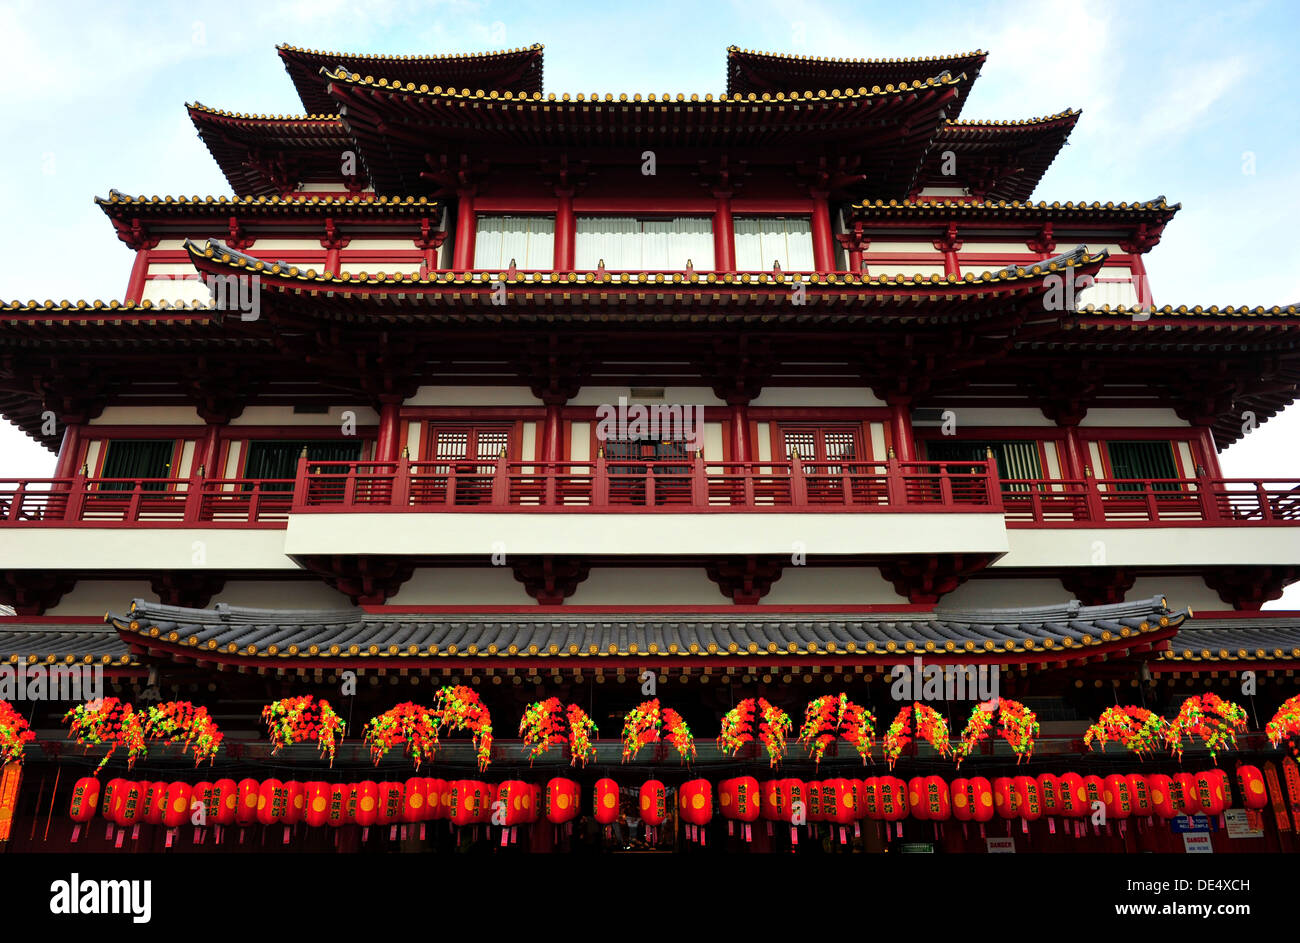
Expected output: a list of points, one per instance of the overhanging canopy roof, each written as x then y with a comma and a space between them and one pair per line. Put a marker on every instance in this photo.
998, 160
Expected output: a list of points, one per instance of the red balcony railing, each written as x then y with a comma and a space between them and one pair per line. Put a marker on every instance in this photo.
689, 484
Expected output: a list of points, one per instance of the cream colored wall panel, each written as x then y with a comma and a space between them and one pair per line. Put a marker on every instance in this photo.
282, 594
149, 416
186, 465
528, 445
413, 432
1046, 547
92, 454
911, 246
880, 269
832, 585
673, 395
235, 459
274, 244
1051, 452
649, 586
971, 247
971, 417
463, 586
1005, 594
187, 291
1180, 591
763, 442
285, 416
879, 447
580, 442
368, 244
173, 269
145, 549
1185, 460
1136, 418
99, 597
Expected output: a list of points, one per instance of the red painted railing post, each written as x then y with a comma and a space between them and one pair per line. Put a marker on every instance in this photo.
994, 485
1208, 495
600, 481
132, 512
1149, 498
350, 485
193, 495
550, 474
76, 496
501, 481
945, 486
699, 481
1092, 497
301, 498
255, 502
895, 486
400, 494
798, 481
16, 501
1265, 506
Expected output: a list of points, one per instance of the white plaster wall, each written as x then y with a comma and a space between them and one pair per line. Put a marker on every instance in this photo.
462, 586
763, 442
149, 416
280, 244
993, 248
970, 417
1140, 546
879, 446
906, 270
528, 441
1005, 594
1180, 591
414, 431
97, 597
832, 585
650, 586
580, 442
188, 291
713, 441
1137, 418
143, 548
917, 246
282, 594
285, 416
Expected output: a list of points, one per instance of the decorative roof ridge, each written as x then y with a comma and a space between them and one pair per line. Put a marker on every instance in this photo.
217, 250
355, 78
1158, 203
116, 197
436, 57
1013, 123
83, 306
734, 50
1130, 311
242, 116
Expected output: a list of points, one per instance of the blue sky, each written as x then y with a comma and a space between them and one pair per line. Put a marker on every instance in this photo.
1195, 101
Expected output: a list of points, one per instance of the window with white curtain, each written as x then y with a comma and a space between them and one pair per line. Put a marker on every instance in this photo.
529, 240
762, 240
630, 244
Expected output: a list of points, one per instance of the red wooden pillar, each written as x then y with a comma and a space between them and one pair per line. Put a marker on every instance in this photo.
823, 244
740, 443
463, 255
855, 244
565, 231
900, 421
139, 269
333, 243
1138, 272
210, 451
1075, 462
69, 451
550, 445
948, 244
724, 233
386, 445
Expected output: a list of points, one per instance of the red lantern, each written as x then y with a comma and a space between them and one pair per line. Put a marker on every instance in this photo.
696, 801
1162, 795
747, 799
178, 805
155, 803
604, 802
893, 799
297, 805
562, 798
468, 802
654, 802
392, 800
367, 811
85, 799
1029, 801
342, 808
114, 797
1074, 797
272, 802
317, 808
515, 797
980, 793
127, 806
1210, 792
1004, 797
226, 796
1095, 791
839, 801
246, 810
915, 790
961, 804
1139, 794
814, 790
437, 797
413, 805
937, 799
1254, 794
207, 794
1049, 794
869, 798
1186, 800
796, 793
1115, 792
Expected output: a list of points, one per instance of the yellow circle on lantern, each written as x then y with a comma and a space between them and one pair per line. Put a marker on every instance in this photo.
645, 802
261, 802
914, 797
318, 804
1256, 786
1157, 796
562, 801
527, 799
773, 799
230, 801
417, 800
1080, 794
959, 800
1000, 799
297, 801
367, 803
725, 798
252, 800
986, 799
1108, 795
697, 802
178, 805
608, 801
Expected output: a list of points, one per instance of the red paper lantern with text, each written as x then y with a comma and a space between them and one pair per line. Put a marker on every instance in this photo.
961, 806
1115, 793
515, 797
1094, 791
654, 802
114, 796
297, 806
562, 799
797, 792
815, 811
178, 805
696, 802
1139, 794
839, 801
893, 799
1162, 795
469, 801
342, 805
1073, 797
980, 793
1029, 802
915, 790
246, 809
272, 802
937, 799
413, 803
604, 801
156, 803
1186, 800
869, 798
227, 798
1049, 793
490, 791
770, 800
128, 806
436, 798
1211, 793
85, 799
207, 794
1254, 794
1004, 797
392, 803
367, 813
317, 808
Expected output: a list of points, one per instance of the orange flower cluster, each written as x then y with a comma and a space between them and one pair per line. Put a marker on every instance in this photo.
303, 719
108, 721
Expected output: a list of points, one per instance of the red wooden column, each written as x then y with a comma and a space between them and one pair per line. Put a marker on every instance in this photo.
900, 421
823, 242
741, 447
549, 447
210, 450
69, 450
855, 244
724, 233
333, 242
386, 445
463, 254
948, 244
566, 233
1075, 462
139, 269
1142, 240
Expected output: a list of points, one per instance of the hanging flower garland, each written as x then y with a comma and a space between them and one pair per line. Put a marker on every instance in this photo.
930, 727
738, 728
14, 734
547, 722
1210, 718
181, 721
648, 723
407, 724
303, 719
1137, 728
460, 708
829, 715
108, 721
1019, 725
1285, 723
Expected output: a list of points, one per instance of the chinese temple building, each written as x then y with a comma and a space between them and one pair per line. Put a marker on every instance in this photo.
730, 401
